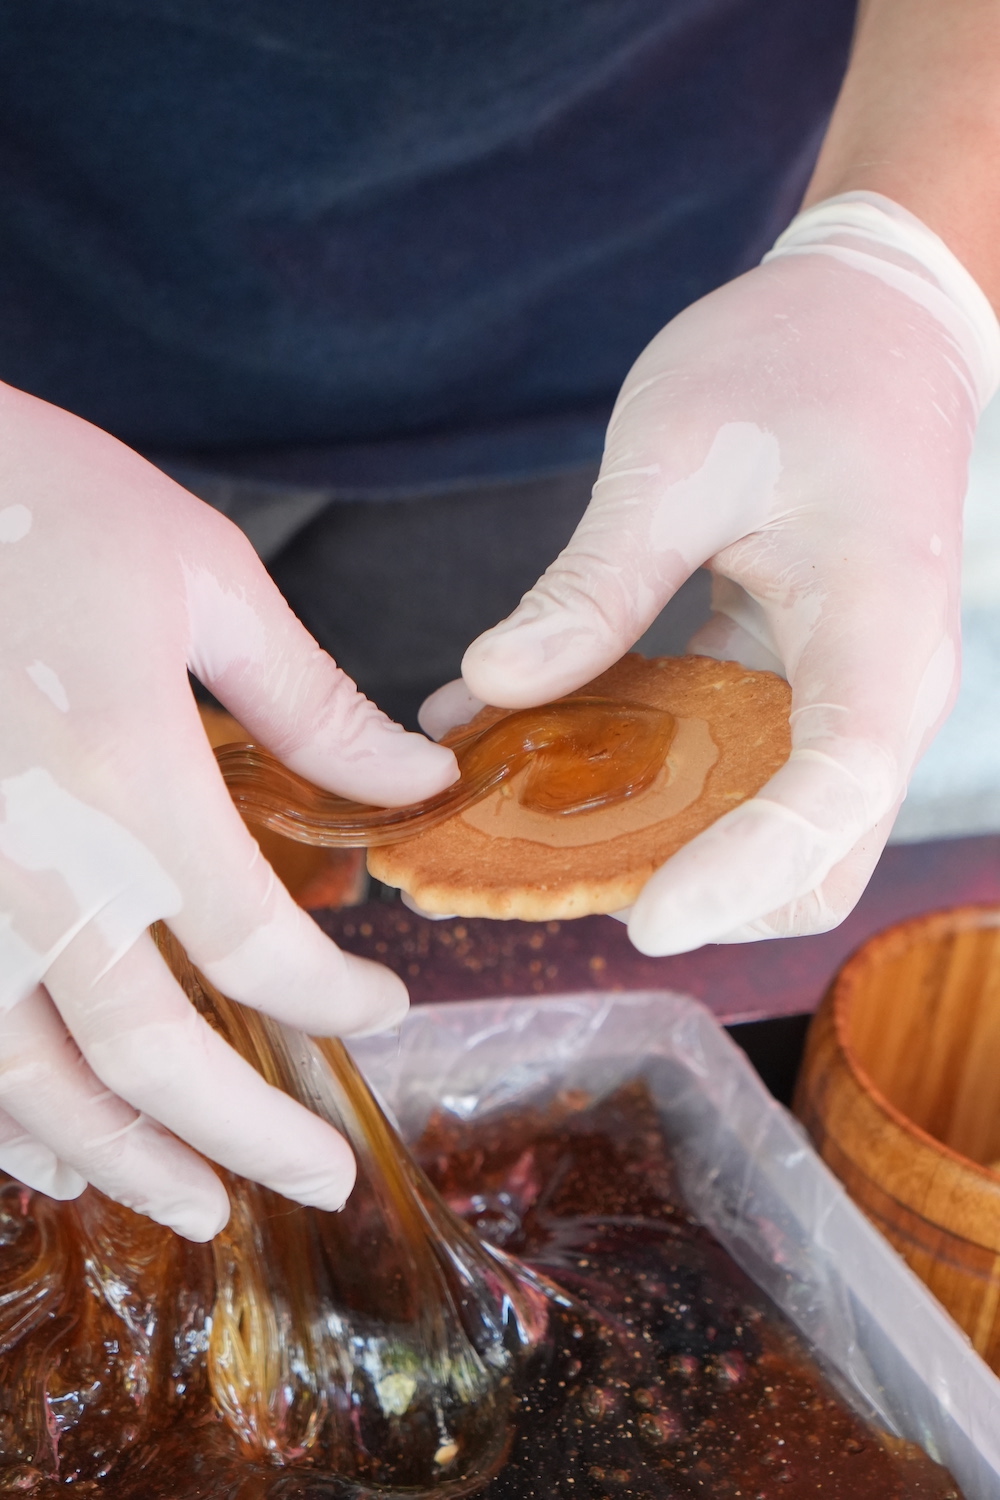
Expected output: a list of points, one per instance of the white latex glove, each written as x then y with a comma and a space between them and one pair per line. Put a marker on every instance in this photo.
113, 581
805, 431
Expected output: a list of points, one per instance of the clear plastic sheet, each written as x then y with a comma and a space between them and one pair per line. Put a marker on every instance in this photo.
750, 1175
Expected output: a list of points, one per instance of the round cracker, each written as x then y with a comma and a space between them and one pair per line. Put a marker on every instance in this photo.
458, 869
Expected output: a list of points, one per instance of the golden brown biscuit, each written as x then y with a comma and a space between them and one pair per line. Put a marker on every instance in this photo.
498, 859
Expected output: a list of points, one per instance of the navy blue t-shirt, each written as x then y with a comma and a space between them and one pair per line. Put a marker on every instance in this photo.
385, 238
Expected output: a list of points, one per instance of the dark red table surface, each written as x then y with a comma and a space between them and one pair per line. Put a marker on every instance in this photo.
462, 958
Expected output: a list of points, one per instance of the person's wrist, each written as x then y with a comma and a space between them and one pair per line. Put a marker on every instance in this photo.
874, 234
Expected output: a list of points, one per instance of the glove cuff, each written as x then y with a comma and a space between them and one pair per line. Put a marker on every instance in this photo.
872, 233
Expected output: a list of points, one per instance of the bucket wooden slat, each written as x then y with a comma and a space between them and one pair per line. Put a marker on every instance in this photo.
900, 1089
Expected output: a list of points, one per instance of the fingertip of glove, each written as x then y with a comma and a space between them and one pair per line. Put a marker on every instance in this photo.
450, 705
436, 764
66, 1183
329, 1185
382, 997
519, 666
407, 767
368, 757
497, 658
198, 1219
418, 910
661, 930
39, 1168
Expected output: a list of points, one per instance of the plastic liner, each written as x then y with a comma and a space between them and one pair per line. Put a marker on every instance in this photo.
750, 1175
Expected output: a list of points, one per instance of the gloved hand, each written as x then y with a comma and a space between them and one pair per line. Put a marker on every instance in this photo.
113, 581
805, 431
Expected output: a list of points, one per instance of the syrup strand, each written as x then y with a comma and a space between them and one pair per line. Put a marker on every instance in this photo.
310, 1308
580, 754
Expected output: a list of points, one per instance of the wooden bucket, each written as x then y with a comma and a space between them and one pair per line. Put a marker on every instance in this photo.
900, 1090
